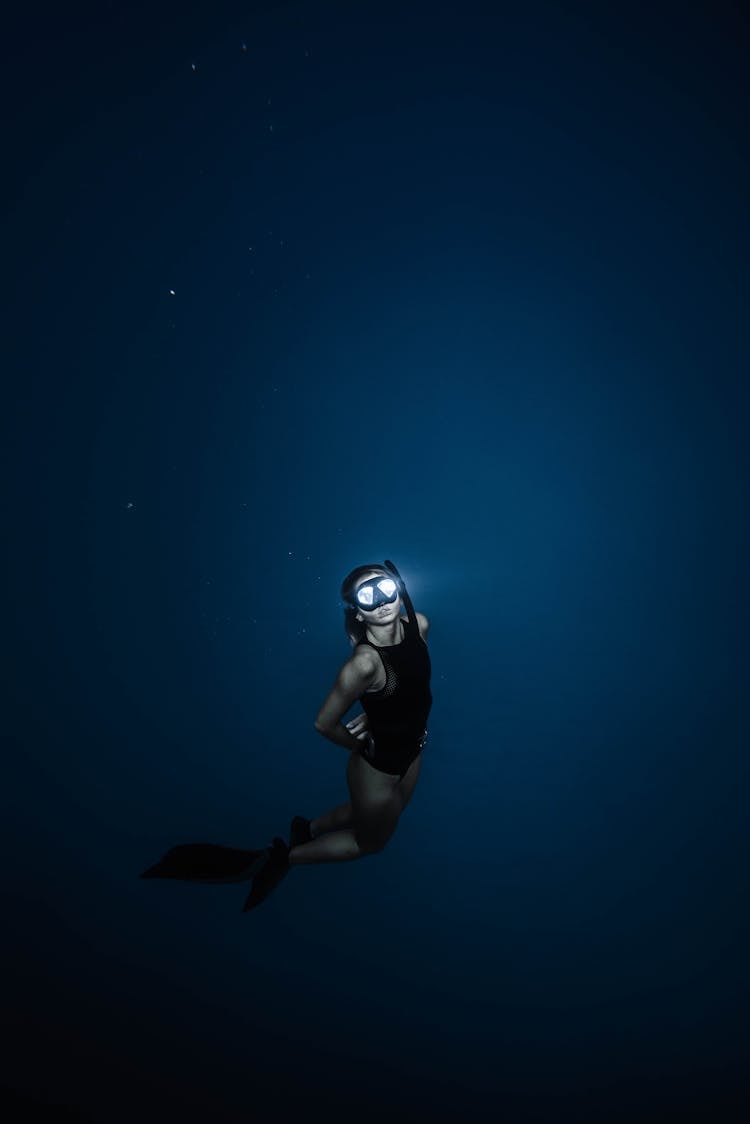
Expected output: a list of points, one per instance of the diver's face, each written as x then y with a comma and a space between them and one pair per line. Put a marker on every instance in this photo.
383, 614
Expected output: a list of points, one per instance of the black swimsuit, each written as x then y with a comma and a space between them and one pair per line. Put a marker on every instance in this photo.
397, 714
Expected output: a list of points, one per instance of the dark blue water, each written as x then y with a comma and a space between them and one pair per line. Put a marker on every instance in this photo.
290, 288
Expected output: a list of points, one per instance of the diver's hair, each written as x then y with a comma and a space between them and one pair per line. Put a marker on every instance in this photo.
353, 628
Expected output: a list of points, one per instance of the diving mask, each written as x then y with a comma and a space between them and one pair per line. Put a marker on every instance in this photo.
375, 592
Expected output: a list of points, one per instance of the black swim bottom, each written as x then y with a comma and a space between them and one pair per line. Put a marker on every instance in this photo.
396, 758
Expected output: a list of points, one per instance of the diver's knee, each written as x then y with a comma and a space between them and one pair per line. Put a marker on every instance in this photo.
372, 842
373, 848
368, 845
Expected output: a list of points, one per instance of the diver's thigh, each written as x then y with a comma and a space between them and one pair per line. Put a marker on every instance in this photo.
368, 787
408, 782
376, 803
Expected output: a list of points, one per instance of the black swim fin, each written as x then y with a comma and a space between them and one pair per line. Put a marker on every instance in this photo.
207, 862
273, 869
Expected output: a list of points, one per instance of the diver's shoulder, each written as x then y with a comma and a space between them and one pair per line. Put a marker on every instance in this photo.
364, 657
365, 665
423, 623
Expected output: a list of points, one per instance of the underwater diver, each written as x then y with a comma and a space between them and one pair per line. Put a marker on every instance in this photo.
389, 672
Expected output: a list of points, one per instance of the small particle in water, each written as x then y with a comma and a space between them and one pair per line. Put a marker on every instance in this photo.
192, 66
129, 505
171, 292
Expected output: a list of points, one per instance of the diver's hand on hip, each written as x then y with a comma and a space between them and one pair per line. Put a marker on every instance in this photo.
358, 726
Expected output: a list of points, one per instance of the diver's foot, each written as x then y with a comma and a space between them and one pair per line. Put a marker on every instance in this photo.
299, 832
273, 870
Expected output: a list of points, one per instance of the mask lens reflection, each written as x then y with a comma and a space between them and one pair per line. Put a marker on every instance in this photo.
379, 591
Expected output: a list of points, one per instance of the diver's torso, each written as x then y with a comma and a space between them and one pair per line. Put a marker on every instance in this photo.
399, 700
379, 681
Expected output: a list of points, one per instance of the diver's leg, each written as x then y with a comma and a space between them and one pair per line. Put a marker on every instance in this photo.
331, 841
334, 820
335, 847
408, 782
376, 806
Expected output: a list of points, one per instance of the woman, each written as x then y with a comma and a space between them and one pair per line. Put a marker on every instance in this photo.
389, 671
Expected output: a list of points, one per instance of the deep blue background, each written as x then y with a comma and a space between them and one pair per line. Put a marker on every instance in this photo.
460, 285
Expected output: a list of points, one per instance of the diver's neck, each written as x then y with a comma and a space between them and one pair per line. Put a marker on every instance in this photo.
385, 635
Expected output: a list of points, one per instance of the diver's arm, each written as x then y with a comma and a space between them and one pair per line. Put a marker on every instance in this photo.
353, 680
341, 736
